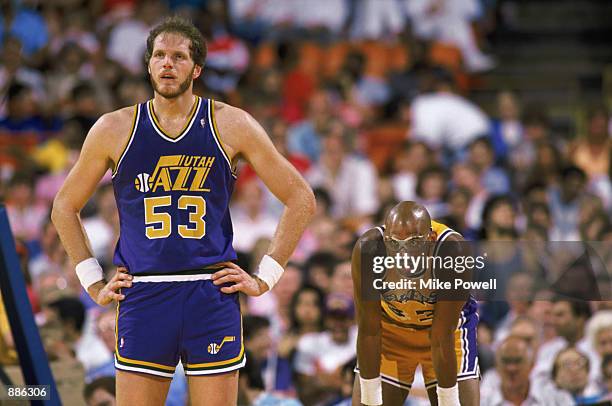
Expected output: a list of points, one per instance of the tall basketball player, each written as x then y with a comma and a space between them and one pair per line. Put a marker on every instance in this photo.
402, 328
173, 170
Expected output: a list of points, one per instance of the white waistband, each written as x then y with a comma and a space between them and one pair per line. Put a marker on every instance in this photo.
172, 278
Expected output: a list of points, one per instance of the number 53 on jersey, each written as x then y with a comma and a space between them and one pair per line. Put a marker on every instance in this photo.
159, 222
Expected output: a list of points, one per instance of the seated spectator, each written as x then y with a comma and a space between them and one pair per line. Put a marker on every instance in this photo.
565, 204
514, 361
569, 318
24, 120
320, 356
249, 217
450, 21
466, 176
507, 129
306, 313
304, 137
591, 153
350, 180
493, 178
25, 214
606, 373
258, 341
319, 268
252, 391
431, 190
599, 334
407, 165
443, 118
458, 202
377, 18
70, 313
571, 373
105, 330
100, 392
536, 129
348, 381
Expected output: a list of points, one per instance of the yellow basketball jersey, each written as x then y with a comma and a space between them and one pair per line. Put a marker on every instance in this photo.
414, 308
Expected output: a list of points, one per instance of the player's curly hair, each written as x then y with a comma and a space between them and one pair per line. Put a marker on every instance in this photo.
181, 26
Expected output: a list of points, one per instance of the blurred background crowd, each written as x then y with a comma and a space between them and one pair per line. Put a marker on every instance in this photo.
494, 114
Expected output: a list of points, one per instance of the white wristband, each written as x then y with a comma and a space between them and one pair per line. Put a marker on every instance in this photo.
89, 272
269, 271
448, 396
371, 391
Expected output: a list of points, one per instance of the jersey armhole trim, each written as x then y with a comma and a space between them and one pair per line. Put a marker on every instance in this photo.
135, 120
215, 132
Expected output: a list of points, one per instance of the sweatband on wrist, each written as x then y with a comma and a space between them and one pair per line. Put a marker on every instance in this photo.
371, 391
269, 271
448, 396
89, 272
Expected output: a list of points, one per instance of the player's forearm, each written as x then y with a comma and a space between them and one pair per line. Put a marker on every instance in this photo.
368, 354
71, 232
299, 210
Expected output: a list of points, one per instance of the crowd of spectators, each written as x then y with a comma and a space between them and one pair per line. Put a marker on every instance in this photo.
369, 100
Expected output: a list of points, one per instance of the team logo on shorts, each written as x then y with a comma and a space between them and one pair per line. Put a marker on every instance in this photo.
214, 348
142, 182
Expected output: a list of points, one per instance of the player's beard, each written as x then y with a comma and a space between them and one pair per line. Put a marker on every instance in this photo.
183, 86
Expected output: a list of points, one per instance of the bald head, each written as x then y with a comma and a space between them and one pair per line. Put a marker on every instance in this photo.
514, 346
408, 219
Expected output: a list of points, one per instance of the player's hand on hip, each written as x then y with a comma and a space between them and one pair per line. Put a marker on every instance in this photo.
103, 292
242, 281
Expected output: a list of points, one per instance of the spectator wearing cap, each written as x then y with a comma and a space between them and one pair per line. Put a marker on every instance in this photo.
513, 362
320, 356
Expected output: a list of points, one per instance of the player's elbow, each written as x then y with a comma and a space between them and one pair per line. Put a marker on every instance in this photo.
310, 203
304, 198
59, 209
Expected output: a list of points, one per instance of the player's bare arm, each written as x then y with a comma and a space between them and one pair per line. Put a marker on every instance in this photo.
368, 313
101, 150
244, 138
447, 311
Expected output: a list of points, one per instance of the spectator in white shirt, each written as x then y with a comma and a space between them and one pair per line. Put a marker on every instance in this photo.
514, 360
449, 21
128, 39
442, 118
571, 373
569, 319
350, 181
599, 334
249, 217
320, 356
377, 18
